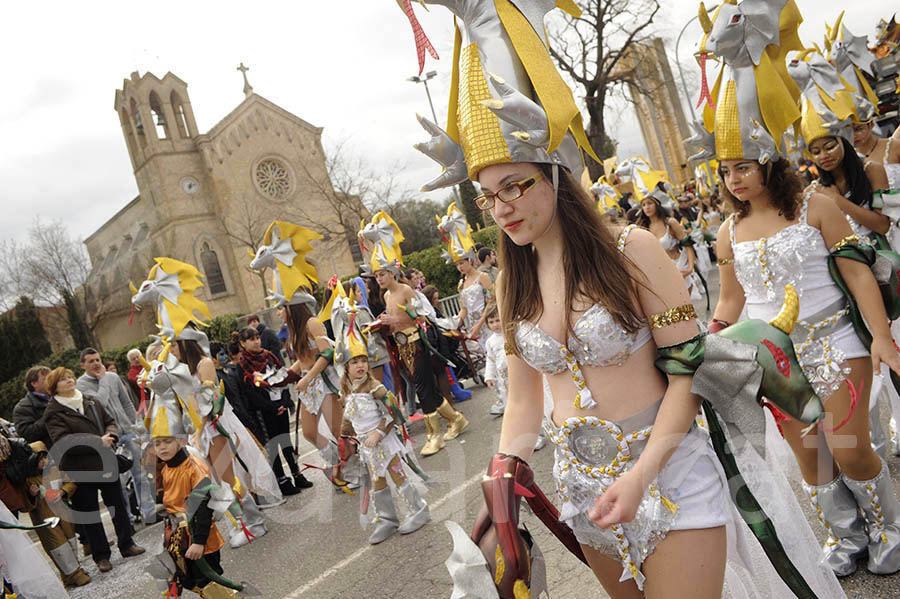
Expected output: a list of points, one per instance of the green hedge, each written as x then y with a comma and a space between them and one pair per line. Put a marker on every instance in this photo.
13, 390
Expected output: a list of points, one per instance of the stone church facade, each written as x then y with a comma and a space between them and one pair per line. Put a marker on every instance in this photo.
205, 198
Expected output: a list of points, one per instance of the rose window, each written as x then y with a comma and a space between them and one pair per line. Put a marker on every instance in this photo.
273, 179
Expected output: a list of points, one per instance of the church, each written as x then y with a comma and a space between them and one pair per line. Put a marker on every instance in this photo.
207, 198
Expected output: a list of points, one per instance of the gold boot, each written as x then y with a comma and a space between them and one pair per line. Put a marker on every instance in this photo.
456, 421
433, 443
214, 590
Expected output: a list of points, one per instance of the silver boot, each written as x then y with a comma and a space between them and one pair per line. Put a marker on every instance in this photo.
418, 514
838, 512
253, 520
386, 522
882, 511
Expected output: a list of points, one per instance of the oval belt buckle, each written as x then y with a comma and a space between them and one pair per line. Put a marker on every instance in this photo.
594, 446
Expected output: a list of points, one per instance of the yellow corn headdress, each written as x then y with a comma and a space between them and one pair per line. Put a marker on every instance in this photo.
607, 196
704, 174
508, 102
457, 233
349, 340
753, 101
380, 243
826, 102
284, 250
851, 57
170, 286
644, 180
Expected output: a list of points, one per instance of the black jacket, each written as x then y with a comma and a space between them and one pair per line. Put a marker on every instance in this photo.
82, 436
269, 340
248, 414
27, 417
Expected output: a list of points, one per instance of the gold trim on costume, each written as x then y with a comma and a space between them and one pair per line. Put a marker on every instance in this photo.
845, 241
673, 316
725, 261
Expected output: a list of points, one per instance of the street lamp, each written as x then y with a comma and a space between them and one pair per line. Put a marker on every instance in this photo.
429, 75
678, 60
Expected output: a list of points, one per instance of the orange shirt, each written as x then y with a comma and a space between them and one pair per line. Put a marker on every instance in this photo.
178, 482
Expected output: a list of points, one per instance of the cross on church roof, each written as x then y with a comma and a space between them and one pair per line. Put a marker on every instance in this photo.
248, 89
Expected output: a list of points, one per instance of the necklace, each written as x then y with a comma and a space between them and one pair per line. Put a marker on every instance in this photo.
872, 149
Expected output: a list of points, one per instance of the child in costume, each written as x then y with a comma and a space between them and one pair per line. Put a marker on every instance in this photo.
377, 422
190, 495
496, 373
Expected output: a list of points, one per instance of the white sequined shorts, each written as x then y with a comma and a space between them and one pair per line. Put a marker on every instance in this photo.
689, 493
379, 457
314, 395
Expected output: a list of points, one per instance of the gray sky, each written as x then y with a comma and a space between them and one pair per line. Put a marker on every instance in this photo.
339, 65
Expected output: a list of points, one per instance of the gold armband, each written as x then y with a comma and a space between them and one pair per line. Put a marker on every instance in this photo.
673, 316
845, 241
725, 261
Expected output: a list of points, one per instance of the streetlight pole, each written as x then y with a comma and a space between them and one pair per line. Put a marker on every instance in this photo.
429, 75
681, 73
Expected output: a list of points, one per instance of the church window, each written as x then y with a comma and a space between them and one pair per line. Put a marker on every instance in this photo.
214, 278
138, 123
180, 120
159, 121
273, 179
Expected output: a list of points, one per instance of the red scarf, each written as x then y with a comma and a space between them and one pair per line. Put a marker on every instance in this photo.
257, 362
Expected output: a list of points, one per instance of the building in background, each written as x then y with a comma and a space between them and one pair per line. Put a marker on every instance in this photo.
659, 112
206, 198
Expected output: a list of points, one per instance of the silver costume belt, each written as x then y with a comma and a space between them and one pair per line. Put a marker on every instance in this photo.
821, 361
591, 453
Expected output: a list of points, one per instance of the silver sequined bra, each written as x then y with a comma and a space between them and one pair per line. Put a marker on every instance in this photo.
597, 341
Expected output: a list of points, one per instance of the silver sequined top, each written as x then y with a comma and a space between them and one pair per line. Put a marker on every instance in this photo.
597, 339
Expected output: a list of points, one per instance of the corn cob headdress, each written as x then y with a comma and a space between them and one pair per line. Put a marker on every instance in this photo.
349, 340
380, 243
284, 250
753, 101
527, 112
607, 196
457, 233
170, 413
170, 286
852, 58
826, 102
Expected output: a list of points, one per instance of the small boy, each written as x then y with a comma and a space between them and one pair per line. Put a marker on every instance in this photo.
496, 374
191, 537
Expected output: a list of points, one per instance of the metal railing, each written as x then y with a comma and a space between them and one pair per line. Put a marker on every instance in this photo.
450, 305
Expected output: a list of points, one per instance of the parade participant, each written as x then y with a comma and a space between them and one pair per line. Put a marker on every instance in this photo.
655, 217
475, 287
496, 373
191, 538
781, 235
419, 343
377, 426
356, 292
587, 306
219, 435
284, 251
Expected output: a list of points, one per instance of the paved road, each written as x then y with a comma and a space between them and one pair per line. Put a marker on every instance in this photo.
316, 548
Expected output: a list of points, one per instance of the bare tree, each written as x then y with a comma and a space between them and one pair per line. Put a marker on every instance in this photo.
594, 51
52, 268
246, 224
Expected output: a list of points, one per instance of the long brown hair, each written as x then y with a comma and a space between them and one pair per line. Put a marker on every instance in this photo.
191, 353
662, 213
297, 317
783, 185
594, 268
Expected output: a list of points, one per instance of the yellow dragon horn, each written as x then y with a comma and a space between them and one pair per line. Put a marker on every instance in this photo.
250, 253
787, 318
165, 352
132, 287
144, 362
704, 19
837, 26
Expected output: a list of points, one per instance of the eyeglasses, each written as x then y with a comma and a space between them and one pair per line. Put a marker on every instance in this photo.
509, 193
